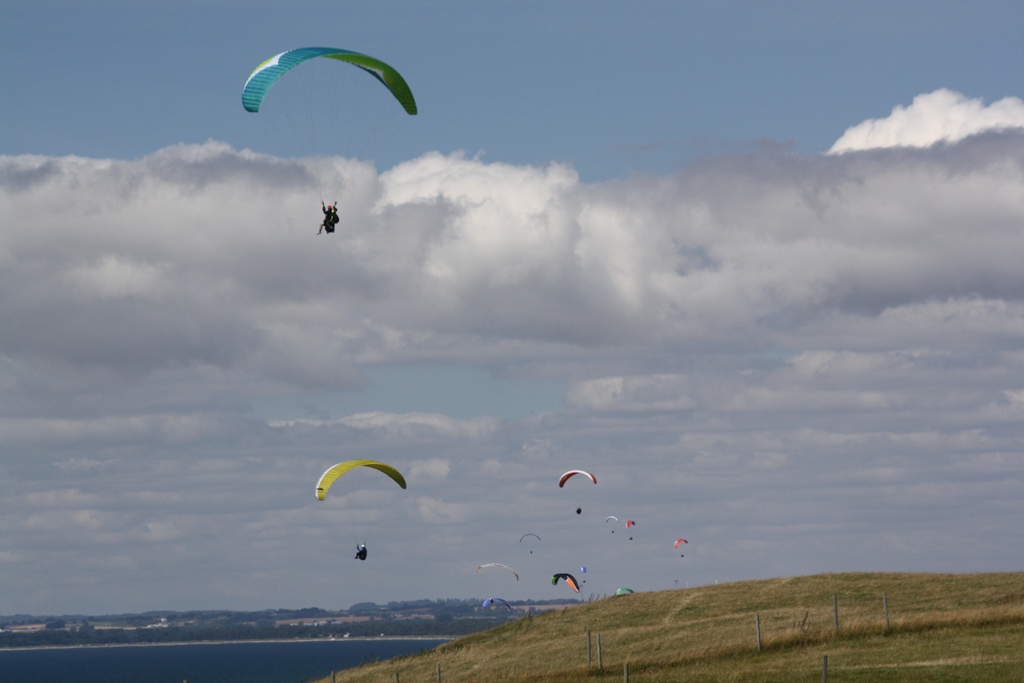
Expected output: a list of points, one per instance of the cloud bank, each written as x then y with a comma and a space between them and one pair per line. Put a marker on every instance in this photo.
939, 116
799, 363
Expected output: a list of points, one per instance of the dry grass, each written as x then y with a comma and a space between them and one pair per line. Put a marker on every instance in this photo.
941, 628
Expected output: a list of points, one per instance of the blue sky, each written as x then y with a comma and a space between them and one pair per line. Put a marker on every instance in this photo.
755, 265
611, 88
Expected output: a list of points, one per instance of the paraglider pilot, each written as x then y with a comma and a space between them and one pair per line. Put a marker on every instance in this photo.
330, 217
361, 551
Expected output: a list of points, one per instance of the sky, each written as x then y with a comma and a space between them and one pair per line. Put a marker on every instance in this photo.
756, 266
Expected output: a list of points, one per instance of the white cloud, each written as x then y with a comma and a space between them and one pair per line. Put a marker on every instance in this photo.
412, 426
435, 468
434, 511
637, 393
452, 258
939, 116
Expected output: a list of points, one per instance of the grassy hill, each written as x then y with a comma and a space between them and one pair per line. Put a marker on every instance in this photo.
941, 628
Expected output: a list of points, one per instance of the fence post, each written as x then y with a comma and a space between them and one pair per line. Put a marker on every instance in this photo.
824, 669
885, 608
396, 677
333, 675
438, 673
835, 610
757, 627
600, 663
625, 673
588, 647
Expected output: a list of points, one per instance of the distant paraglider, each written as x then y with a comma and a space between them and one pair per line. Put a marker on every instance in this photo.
495, 564
571, 473
624, 591
334, 472
569, 579
328, 478
493, 601
525, 535
678, 541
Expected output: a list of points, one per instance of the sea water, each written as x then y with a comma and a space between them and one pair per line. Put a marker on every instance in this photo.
260, 662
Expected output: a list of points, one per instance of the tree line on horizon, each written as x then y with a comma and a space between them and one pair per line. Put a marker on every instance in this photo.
451, 617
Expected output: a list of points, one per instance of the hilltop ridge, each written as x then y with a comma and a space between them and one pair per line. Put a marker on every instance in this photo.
937, 627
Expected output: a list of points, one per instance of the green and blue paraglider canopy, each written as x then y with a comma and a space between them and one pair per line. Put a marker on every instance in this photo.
270, 70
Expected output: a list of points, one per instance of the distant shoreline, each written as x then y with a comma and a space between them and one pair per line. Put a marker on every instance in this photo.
224, 642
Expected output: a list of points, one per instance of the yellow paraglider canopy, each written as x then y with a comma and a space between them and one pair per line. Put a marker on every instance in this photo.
341, 468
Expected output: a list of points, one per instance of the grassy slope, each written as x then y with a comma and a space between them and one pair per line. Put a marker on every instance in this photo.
942, 628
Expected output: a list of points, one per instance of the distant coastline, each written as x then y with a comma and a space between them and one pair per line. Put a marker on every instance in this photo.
225, 642
415, 620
